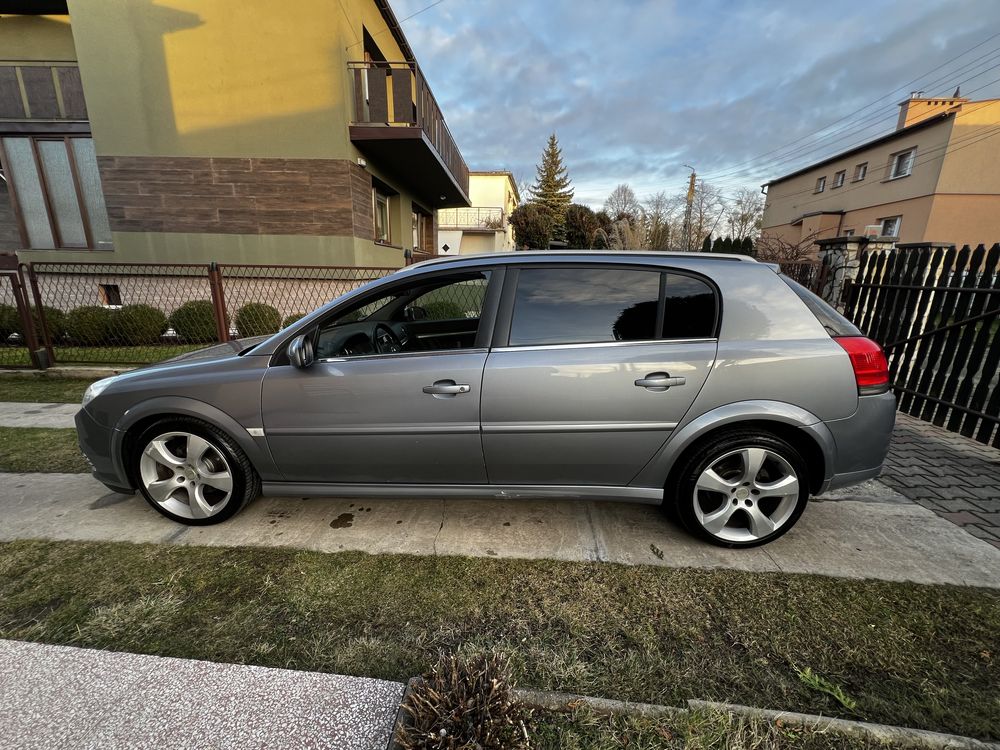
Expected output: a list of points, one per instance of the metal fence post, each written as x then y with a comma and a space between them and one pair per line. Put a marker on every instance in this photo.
218, 300
24, 312
44, 334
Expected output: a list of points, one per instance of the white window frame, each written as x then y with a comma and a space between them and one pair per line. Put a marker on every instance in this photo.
860, 172
820, 184
380, 198
897, 223
897, 159
840, 178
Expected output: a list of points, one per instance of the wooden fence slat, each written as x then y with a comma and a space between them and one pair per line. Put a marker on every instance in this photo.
924, 408
855, 291
985, 392
870, 306
966, 367
913, 351
953, 336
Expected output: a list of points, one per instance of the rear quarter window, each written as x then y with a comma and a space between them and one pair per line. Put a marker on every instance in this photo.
834, 323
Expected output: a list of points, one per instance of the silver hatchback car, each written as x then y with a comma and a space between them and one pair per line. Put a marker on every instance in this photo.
709, 384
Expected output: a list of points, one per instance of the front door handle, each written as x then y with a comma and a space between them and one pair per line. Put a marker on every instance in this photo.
659, 381
446, 388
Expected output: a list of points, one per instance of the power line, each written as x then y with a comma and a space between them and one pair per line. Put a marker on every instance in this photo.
870, 104
402, 21
869, 121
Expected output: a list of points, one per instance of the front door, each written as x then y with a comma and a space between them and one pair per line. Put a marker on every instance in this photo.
599, 366
394, 395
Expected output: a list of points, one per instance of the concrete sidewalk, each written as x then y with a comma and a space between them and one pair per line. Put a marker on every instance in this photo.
62, 697
874, 535
15, 414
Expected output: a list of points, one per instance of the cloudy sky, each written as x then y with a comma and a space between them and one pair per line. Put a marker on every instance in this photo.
634, 89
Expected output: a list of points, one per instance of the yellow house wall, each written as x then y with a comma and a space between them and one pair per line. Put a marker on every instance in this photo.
36, 38
790, 199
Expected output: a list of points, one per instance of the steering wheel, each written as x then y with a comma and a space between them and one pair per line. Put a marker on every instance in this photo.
385, 339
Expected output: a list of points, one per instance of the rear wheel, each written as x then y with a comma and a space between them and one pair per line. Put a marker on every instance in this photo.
741, 489
193, 473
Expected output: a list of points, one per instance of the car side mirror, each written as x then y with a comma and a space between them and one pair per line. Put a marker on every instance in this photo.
300, 352
414, 313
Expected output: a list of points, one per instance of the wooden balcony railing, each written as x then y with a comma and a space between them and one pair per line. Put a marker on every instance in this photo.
395, 95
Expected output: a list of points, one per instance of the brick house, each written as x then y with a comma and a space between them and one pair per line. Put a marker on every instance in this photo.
296, 133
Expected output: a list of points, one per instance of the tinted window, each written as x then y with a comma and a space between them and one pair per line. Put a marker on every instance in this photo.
689, 308
834, 323
583, 305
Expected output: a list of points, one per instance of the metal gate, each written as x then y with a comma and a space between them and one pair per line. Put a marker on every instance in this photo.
18, 342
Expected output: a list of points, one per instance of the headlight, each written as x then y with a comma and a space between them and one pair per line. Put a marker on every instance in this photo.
95, 389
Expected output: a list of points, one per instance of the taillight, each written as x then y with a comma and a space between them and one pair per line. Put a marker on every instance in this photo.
871, 370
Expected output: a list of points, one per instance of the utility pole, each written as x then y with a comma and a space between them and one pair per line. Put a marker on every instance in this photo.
688, 209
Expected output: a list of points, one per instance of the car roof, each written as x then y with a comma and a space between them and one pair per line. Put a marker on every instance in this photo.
533, 256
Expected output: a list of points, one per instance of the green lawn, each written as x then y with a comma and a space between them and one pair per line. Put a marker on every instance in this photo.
101, 355
24, 449
919, 656
43, 390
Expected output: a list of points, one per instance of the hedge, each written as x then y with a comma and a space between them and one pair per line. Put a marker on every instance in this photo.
194, 321
293, 318
89, 325
257, 319
139, 324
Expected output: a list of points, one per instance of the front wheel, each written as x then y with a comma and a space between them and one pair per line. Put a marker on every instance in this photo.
193, 473
741, 489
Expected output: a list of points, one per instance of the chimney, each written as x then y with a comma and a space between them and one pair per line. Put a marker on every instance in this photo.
918, 108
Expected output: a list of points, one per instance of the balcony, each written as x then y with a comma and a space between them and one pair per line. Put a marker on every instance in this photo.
476, 219
398, 124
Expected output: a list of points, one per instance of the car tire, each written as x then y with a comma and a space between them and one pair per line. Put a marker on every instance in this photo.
192, 472
741, 488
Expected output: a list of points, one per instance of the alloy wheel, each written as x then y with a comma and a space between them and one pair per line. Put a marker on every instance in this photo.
186, 475
746, 494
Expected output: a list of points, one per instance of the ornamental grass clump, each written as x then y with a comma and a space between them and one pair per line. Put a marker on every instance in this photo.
464, 704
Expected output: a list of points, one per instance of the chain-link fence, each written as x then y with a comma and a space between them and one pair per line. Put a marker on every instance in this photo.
14, 335
260, 300
140, 313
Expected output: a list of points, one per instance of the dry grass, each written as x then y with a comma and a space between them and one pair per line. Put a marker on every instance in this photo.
912, 655
42, 390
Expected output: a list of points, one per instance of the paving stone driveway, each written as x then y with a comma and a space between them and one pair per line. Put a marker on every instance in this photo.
957, 478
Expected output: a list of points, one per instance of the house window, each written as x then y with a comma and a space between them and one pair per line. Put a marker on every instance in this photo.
860, 172
380, 202
820, 185
110, 294
890, 226
57, 191
421, 232
902, 164
838, 179
848, 233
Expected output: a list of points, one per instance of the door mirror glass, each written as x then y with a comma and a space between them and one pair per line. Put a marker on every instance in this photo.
300, 352
413, 313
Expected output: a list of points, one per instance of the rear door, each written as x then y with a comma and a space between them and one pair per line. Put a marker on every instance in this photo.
592, 367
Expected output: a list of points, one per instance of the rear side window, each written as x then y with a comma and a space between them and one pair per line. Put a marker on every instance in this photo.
834, 323
595, 305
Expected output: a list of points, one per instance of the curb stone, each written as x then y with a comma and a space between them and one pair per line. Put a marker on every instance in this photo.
548, 700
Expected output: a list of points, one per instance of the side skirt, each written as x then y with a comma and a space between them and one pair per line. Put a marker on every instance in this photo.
649, 495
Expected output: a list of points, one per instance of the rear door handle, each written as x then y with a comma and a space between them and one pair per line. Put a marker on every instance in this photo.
659, 381
447, 388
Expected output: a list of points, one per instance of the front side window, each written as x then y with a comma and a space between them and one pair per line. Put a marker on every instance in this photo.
860, 172
820, 185
596, 305
902, 164
434, 314
838, 179
381, 207
57, 191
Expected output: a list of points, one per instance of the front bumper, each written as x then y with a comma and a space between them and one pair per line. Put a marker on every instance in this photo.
863, 440
95, 443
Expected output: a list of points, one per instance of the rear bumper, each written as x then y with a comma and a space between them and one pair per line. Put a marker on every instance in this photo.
95, 443
862, 440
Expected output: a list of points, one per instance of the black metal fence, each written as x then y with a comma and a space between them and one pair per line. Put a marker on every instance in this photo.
936, 311
138, 313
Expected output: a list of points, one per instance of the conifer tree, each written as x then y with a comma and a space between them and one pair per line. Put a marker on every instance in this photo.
552, 188
706, 245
